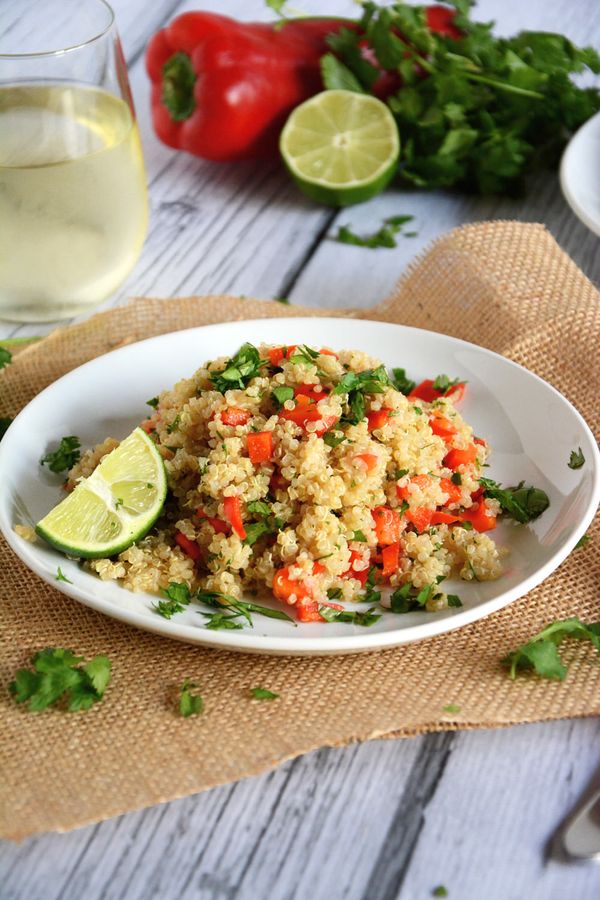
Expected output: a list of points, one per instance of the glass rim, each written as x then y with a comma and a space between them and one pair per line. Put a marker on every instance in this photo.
60, 50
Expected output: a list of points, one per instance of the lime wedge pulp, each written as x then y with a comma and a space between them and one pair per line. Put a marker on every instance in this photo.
115, 506
341, 147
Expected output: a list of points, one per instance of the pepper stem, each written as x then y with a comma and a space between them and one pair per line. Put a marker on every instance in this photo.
179, 79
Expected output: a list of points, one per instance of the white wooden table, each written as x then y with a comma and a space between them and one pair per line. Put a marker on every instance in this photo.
472, 811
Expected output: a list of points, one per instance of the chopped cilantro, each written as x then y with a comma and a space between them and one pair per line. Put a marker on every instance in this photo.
5, 421
5, 357
408, 598
61, 577
367, 618
189, 704
456, 478
334, 438
383, 237
451, 708
370, 595
178, 597
239, 370
237, 608
259, 693
440, 891
334, 593
454, 600
356, 385
359, 536
56, 675
522, 503
401, 382
174, 426
444, 384
541, 652
64, 457
585, 539
282, 393
400, 473
153, 402
577, 459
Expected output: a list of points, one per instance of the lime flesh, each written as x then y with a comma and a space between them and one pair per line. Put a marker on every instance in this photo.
341, 147
115, 506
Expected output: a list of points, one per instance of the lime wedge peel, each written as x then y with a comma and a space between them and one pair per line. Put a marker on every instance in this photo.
112, 508
341, 147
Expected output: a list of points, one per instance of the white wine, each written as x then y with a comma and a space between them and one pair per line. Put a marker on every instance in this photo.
73, 205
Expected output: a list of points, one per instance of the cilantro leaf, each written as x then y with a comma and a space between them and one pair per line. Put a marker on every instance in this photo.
401, 382
153, 402
178, 597
5, 421
57, 676
583, 540
282, 393
521, 503
222, 621
240, 607
371, 595
577, 459
259, 693
61, 577
334, 438
443, 384
541, 652
64, 457
337, 76
5, 357
359, 536
383, 237
451, 708
239, 370
440, 891
408, 598
189, 704
367, 618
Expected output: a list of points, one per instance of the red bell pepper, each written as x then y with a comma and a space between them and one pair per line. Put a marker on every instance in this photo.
456, 457
260, 447
306, 411
223, 89
232, 510
377, 418
388, 526
425, 391
233, 415
190, 548
390, 557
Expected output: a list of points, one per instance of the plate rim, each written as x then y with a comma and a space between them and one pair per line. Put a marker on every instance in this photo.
565, 179
254, 642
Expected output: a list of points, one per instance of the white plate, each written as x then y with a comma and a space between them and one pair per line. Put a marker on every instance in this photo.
580, 173
531, 427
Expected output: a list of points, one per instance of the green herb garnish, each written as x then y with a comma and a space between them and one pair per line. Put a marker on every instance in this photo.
5, 421
370, 595
541, 652
367, 618
356, 386
522, 503
359, 536
282, 393
401, 382
239, 370
334, 438
585, 539
153, 402
259, 693
440, 891
61, 577
189, 704
65, 457
56, 675
456, 478
5, 357
577, 459
383, 237
174, 426
444, 385
451, 708
178, 597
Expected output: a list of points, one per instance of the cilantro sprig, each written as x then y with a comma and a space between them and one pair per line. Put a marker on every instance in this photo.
522, 503
356, 386
5, 357
5, 421
239, 370
260, 693
178, 597
383, 237
577, 459
65, 456
366, 618
478, 112
189, 704
57, 676
541, 655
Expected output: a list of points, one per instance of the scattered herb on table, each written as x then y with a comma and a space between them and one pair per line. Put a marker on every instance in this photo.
259, 693
65, 456
522, 503
57, 675
384, 237
189, 704
440, 891
540, 654
285, 300
451, 708
62, 577
5, 357
5, 421
577, 459
583, 540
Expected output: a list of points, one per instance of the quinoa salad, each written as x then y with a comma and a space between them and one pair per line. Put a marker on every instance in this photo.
318, 478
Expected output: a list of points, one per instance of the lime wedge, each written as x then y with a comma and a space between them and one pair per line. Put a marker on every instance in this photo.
341, 147
115, 506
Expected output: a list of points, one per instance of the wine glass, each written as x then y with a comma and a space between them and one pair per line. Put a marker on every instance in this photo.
73, 200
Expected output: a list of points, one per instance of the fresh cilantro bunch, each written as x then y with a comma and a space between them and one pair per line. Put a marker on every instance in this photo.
56, 675
476, 112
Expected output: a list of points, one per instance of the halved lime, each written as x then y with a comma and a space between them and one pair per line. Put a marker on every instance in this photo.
115, 506
341, 147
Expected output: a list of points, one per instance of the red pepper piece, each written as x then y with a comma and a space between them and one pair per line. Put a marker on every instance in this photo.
325, 351
425, 391
442, 426
453, 490
388, 525
390, 557
422, 481
223, 89
440, 517
369, 459
440, 20
456, 458
351, 572
308, 390
233, 415
479, 518
420, 517
377, 418
260, 447
190, 548
306, 411
232, 509
219, 525
276, 354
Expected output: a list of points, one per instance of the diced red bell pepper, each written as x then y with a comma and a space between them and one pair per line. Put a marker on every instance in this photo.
478, 494
232, 509
260, 447
369, 459
479, 518
190, 548
306, 411
148, 425
425, 391
442, 427
351, 572
233, 415
325, 351
455, 458
307, 610
219, 525
420, 517
308, 390
453, 490
377, 418
276, 354
480, 441
388, 525
390, 556
422, 481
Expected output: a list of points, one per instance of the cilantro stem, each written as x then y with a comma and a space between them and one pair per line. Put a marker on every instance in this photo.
503, 86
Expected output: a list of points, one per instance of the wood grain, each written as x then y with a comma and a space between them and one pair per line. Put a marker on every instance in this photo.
389, 819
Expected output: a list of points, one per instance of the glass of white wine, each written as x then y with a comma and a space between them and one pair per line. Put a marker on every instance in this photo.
73, 200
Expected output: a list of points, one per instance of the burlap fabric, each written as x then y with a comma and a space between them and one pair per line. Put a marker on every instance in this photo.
504, 285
